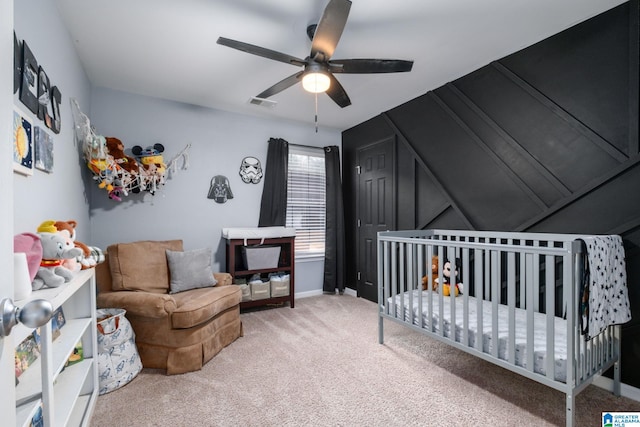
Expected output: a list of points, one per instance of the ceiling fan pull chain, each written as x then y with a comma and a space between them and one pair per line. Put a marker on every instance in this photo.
316, 112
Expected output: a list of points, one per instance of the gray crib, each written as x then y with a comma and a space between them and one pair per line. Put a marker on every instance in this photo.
519, 305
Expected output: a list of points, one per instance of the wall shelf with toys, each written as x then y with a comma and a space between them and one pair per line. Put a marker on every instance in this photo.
119, 174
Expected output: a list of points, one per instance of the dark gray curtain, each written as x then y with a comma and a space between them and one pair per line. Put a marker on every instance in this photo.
273, 206
334, 253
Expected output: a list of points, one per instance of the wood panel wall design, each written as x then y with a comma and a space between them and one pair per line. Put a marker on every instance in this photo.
543, 140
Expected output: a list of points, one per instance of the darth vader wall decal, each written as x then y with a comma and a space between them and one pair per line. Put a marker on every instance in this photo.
220, 190
250, 170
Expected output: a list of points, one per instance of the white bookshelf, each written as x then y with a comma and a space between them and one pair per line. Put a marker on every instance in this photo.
68, 395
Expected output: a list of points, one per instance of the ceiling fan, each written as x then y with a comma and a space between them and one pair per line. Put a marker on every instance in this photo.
317, 75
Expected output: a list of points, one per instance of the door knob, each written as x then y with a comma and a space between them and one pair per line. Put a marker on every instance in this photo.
33, 315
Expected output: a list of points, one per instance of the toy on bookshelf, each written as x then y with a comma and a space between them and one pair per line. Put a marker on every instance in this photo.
26, 353
37, 420
57, 322
76, 356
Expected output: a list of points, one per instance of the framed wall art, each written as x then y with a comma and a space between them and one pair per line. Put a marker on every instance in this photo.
29, 84
43, 144
22, 143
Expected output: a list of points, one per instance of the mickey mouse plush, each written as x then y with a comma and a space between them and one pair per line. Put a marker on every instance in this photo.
151, 156
446, 273
153, 166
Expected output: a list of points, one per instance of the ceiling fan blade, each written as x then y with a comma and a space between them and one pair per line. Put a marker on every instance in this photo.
330, 29
282, 85
337, 92
366, 66
261, 51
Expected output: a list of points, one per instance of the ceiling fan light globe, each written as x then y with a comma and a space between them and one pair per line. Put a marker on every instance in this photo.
316, 82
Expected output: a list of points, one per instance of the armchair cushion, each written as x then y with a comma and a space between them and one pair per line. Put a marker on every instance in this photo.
199, 305
190, 270
141, 266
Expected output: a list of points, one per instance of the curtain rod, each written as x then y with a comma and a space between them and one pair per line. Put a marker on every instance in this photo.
307, 146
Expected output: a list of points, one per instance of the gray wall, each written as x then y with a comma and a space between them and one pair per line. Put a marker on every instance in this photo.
219, 141
59, 195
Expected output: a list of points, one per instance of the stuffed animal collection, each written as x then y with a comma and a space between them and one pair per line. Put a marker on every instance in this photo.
446, 275
54, 255
115, 171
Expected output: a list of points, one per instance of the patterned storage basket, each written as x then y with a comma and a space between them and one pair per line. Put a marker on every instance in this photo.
118, 358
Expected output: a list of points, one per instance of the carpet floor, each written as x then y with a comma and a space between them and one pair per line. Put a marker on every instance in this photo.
320, 364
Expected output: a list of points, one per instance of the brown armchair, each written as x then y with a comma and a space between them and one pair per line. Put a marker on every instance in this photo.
179, 331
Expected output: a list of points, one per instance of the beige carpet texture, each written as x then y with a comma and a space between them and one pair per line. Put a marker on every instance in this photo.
320, 364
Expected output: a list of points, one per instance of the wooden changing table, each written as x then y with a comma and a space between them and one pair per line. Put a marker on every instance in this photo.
239, 238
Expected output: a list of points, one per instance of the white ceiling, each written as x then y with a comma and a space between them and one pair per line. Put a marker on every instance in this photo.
167, 48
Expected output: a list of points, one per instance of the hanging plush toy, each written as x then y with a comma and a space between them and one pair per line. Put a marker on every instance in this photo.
153, 167
128, 170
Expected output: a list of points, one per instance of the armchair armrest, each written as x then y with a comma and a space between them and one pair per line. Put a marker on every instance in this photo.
144, 304
223, 279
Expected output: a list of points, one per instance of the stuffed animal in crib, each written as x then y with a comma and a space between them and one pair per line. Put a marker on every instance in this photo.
434, 275
449, 270
56, 246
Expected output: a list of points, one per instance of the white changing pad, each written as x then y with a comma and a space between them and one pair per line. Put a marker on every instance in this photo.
258, 232
540, 329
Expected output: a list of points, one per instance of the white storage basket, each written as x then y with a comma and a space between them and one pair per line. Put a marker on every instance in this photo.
118, 358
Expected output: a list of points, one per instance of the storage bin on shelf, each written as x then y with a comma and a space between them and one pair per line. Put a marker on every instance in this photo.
279, 285
260, 257
260, 290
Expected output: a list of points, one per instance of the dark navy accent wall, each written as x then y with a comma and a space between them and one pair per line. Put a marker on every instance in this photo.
545, 139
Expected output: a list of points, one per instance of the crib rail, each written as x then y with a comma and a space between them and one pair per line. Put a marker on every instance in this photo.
508, 280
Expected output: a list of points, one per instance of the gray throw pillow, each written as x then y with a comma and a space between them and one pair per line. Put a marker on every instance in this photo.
190, 270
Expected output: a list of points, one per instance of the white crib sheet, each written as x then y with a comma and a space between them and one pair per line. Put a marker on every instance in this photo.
539, 333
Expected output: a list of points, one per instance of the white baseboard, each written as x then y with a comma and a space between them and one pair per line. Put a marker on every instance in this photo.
351, 292
347, 291
308, 294
625, 389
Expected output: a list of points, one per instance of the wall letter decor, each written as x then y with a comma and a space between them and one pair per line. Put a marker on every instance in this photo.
28, 89
44, 98
56, 98
17, 63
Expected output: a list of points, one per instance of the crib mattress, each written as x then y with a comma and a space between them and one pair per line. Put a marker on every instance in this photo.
411, 311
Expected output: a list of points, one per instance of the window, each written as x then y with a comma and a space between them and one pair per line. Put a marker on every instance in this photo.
306, 200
